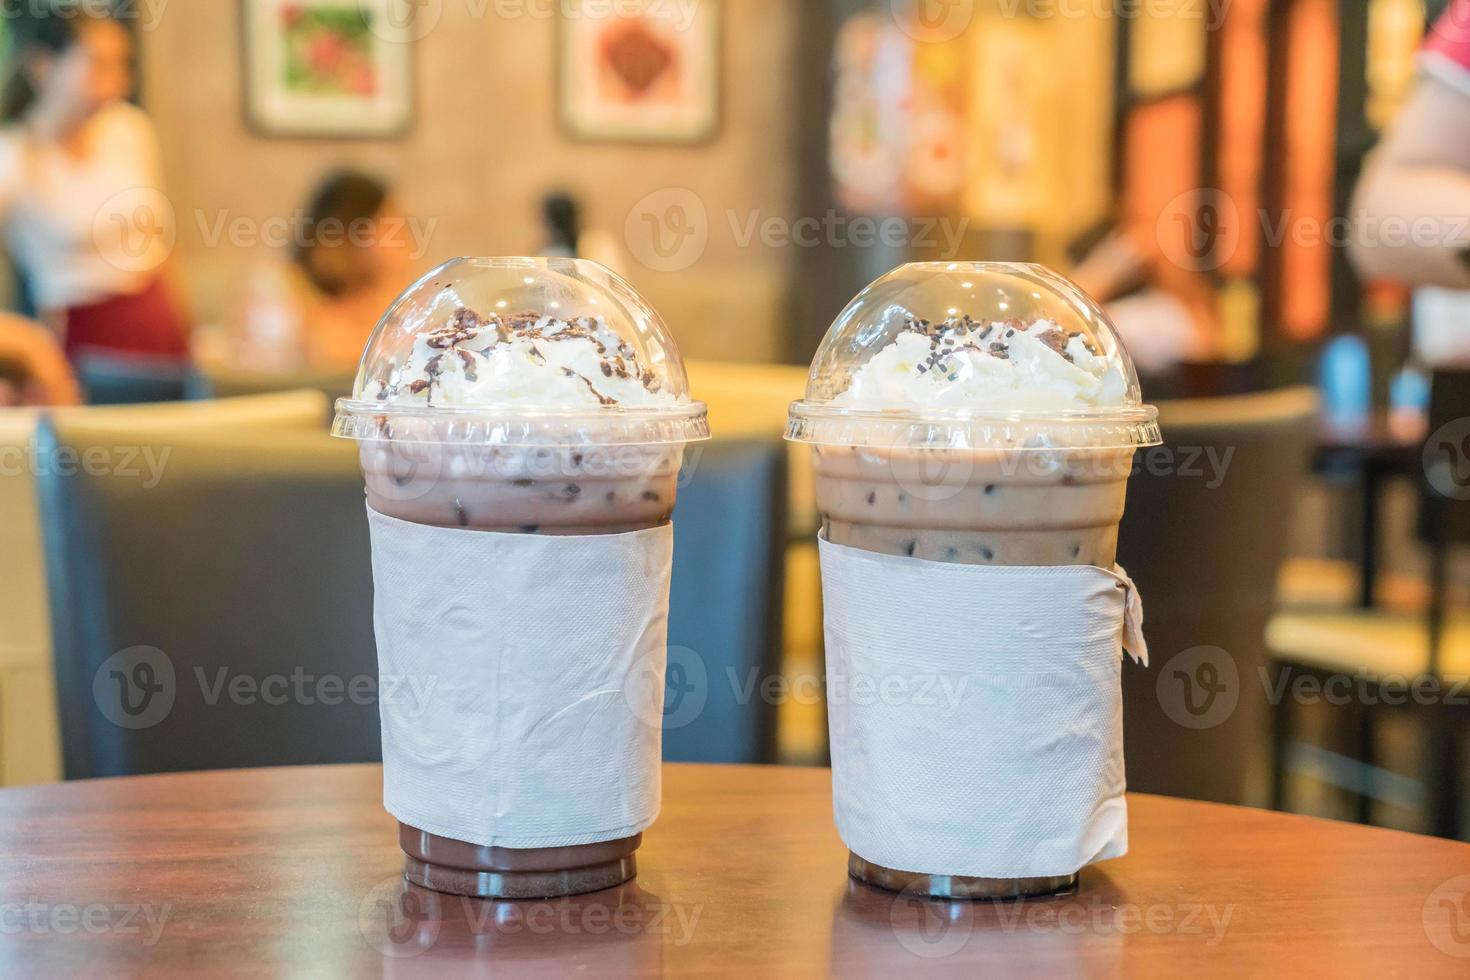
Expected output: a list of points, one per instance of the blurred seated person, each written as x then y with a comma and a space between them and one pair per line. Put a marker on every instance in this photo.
1163, 319
354, 258
33, 370
80, 202
1412, 205
565, 235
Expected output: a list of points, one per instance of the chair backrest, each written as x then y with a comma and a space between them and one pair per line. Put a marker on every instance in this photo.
29, 745
211, 606
301, 410
750, 401
1204, 536
247, 556
108, 380
220, 383
725, 606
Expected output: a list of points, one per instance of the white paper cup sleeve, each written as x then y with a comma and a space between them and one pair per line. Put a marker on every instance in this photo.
522, 681
976, 713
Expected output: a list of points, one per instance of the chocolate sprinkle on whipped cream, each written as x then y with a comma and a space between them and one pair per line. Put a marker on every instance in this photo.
964, 364
522, 358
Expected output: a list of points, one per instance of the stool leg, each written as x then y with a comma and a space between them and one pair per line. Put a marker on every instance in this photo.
1367, 755
1444, 778
1280, 733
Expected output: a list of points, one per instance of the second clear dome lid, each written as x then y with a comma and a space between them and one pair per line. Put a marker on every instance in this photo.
974, 355
522, 350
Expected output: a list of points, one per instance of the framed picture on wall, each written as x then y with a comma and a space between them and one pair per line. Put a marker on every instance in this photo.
643, 72
328, 68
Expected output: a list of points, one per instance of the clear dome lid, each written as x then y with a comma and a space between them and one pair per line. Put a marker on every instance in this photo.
536, 351
974, 355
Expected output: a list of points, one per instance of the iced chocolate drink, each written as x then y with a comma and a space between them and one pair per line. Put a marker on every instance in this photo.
522, 397
973, 414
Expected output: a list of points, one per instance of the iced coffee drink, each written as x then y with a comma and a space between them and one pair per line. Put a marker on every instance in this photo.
972, 414
522, 397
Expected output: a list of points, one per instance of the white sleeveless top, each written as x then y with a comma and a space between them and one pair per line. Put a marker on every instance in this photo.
83, 230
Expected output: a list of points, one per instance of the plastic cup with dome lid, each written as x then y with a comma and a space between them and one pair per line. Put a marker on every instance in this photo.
521, 424
969, 414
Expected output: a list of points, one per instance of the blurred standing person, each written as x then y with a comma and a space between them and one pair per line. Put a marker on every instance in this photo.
80, 186
1419, 175
565, 236
1412, 205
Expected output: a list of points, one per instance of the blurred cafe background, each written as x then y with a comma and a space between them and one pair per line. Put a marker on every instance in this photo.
206, 206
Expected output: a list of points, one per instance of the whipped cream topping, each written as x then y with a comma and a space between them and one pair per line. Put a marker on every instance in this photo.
522, 359
1003, 366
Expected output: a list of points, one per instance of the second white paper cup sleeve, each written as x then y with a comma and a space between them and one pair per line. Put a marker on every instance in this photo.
976, 713
522, 680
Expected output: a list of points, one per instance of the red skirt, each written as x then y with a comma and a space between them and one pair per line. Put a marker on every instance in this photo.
142, 323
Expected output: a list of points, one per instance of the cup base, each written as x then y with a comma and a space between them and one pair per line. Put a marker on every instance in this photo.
956, 886
459, 868
531, 885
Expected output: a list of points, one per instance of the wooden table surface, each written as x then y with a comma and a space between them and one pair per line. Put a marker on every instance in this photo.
296, 871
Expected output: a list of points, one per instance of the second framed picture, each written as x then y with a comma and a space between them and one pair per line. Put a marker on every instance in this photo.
644, 72
329, 68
